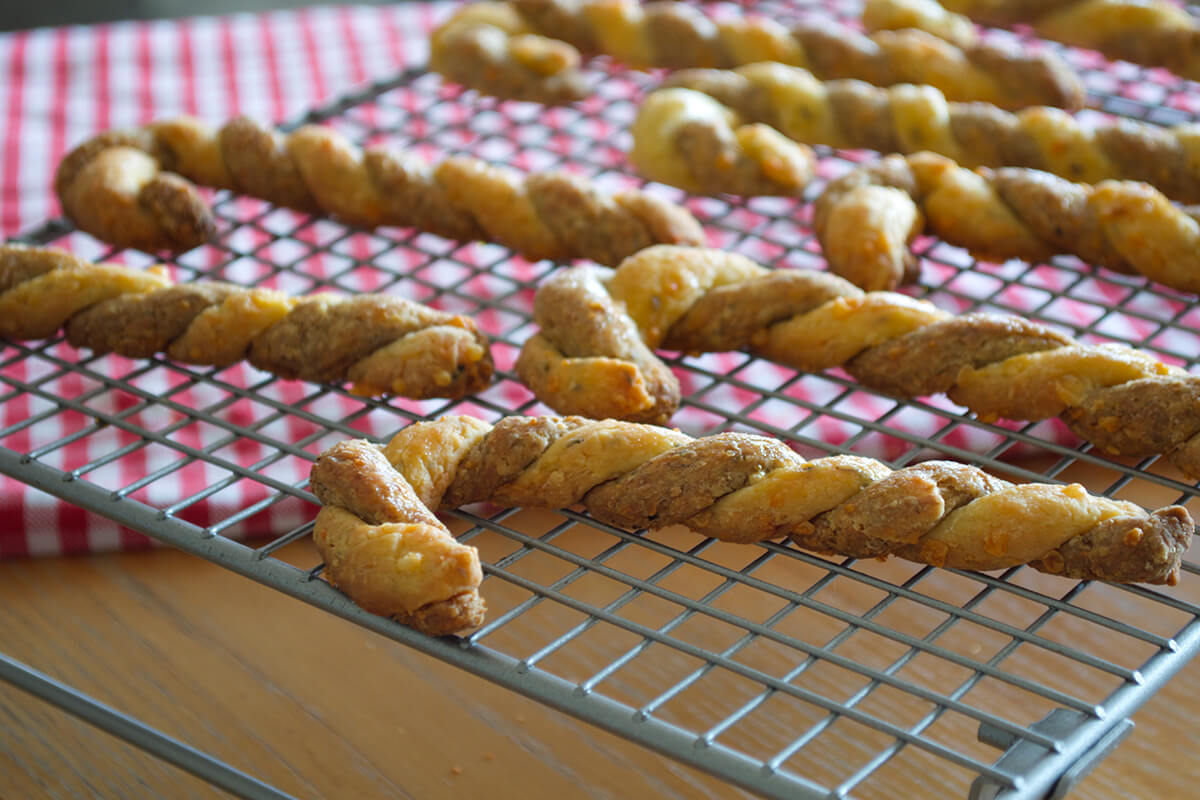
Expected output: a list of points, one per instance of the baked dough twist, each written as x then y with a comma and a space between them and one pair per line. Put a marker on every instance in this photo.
530, 50
922, 15
689, 140
865, 219
1150, 32
908, 119
698, 300
381, 344
114, 187
488, 47
384, 548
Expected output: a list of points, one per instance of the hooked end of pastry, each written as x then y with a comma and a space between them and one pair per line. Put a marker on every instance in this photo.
446, 617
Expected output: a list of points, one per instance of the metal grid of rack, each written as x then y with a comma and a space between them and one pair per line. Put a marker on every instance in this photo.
755, 663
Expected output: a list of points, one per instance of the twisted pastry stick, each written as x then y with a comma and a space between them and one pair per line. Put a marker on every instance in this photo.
922, 15
698, 300
384, 548
381, 344
489, 47
530, 50
114, 187
1150, 32
908, 119
689, 140
865, 219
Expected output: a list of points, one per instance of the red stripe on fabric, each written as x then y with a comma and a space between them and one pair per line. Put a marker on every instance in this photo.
293, 393
132, 540
312, 56
391, 32
17, 409
14, 542
187, 66
425, 14
361, 251
189, 481
103, 96
138, 463
72, 522
145, 76
10, 214
58, 119
13, 495
270, 56
134, 465
358, 72
229, 66
72, 530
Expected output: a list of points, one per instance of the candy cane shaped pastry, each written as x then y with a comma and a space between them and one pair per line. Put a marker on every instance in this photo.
386, 550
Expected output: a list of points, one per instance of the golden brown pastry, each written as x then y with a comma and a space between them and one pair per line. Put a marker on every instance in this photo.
530, 50
590, 356
488, 47
1151, 32
120, 187
865, 219
689, 140
386, 550
381, 345
909, 119
922, 15
698, 300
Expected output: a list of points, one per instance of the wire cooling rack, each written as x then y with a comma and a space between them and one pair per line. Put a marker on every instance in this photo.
788, 674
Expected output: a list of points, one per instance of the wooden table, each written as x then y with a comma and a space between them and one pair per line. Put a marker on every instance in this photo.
323, 709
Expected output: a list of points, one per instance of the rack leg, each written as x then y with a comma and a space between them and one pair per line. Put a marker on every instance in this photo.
1020, 755
109, 720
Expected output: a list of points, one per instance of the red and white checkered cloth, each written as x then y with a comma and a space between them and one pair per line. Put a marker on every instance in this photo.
59, 86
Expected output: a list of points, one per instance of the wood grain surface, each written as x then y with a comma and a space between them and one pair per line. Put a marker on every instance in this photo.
323, 709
